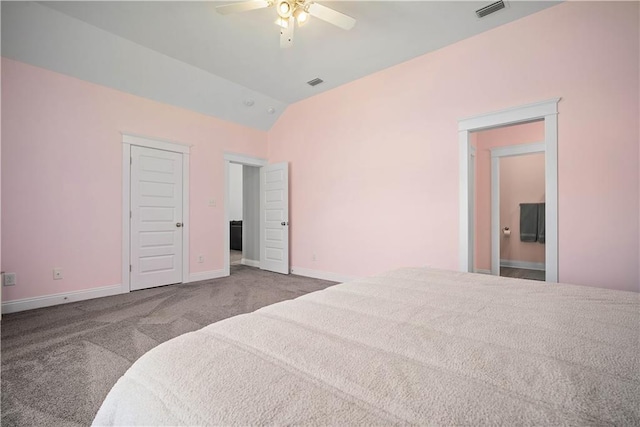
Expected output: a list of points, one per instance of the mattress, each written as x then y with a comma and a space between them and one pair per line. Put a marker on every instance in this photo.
413, 346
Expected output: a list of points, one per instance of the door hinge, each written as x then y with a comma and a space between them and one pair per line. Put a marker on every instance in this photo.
130, 214
130, 160
130, 269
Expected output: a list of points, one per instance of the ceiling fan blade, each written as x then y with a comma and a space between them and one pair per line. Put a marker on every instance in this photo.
331, 16
286, 33
242, 6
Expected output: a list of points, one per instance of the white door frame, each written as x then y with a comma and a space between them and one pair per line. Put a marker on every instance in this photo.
244, 160
496, 154
472, 205
127, 141
544, 110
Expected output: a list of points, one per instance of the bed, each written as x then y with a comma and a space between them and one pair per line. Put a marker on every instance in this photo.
413, 346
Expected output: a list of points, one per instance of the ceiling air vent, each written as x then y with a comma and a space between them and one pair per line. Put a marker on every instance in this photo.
493, 7
315, 81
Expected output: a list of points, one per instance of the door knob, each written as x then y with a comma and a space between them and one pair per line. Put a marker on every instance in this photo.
179, 224
284, 223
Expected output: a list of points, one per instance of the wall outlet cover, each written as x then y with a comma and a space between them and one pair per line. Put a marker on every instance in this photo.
57, 274
9, 279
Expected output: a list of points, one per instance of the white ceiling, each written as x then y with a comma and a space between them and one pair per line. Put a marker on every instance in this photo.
243, 49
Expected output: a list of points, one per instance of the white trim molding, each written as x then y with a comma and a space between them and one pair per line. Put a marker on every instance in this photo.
508, 116
551, 197
206, 275
250, 262
127, 141
158, 144
61, 298
245, 160
323, 275
518, 150
544, 110
527, 265
466, 220
472, 204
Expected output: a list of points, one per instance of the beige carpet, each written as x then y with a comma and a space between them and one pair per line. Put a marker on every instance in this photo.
59, 363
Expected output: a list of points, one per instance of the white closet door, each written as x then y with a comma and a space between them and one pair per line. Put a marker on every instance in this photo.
156, 217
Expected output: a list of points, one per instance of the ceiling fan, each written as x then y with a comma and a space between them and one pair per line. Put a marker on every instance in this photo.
291, 12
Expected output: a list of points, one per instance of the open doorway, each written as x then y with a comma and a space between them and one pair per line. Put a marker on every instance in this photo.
521, 215
508, 179
242, 211
236, 194
545, 112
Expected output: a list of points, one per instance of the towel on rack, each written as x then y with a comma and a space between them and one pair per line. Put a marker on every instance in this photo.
541, 222
528, 222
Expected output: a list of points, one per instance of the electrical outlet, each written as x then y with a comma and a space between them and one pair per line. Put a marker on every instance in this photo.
313, 257
212, 203
57, 274
9, 279
200, 259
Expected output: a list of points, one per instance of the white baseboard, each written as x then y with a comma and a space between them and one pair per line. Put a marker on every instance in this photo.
482, 271
522, 264
207, 275
324, 275
250, 262
62, 298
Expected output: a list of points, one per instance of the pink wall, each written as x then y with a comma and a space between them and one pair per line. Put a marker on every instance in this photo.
521, 181
62, 174
374, 163
485, 140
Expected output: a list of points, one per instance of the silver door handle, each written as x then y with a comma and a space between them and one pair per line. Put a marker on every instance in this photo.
284, 223
179, 224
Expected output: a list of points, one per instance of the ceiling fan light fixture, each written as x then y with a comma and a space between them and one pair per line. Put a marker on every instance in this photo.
301, 15
284, 9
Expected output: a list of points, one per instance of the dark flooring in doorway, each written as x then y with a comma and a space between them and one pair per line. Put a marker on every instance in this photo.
235, 257
522, 273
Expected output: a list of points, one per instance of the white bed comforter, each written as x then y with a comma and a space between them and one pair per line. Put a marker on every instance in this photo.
414, 346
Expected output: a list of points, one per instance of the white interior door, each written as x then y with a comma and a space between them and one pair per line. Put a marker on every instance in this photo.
274, 218
156, 217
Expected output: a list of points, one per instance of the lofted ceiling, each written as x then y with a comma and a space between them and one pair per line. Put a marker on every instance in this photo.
243, 49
